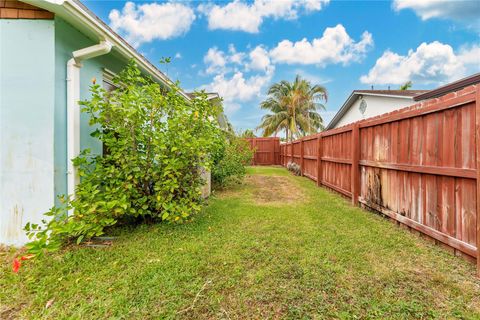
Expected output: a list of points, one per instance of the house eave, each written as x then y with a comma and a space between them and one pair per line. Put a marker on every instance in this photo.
383, 95
451, 87
349, 102
81, 18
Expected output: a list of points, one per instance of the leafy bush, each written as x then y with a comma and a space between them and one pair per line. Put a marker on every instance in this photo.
230, 161
155, 144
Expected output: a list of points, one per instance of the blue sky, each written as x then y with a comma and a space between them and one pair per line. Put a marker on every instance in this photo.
239, 48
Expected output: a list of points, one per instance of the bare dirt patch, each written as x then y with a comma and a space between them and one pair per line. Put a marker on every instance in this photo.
11, 313
274, 190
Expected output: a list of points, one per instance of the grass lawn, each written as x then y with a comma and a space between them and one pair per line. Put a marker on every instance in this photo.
274, 247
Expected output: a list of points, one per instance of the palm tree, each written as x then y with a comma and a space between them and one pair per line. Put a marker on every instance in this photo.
248, 134
294, 108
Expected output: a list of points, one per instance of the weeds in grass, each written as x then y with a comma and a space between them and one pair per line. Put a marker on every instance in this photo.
318, 258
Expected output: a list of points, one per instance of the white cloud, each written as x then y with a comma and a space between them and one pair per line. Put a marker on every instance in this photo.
147, 22
259, 59
433, 62
233, 16
470, 56
215, 60
335, 46
239, 15
235, 57
243, 76
218, 61
314, 78
231, 107
427, 9
178, 55
238, 87
238, 76
315, 5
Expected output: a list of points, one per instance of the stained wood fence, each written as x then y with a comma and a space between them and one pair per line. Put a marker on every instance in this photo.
266, 150
418, 165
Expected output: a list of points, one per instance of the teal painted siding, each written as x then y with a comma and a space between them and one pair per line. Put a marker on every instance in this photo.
67, 40
27, 89
33, 116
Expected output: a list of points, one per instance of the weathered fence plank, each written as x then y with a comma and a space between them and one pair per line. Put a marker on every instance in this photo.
302, 156
477, 151
419, 165
355, 164
319, 160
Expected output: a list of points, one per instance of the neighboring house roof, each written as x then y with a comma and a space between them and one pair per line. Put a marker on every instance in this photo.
391, 93
210, 95
221, 118
79, 16
401, 94
213, 95
451, 87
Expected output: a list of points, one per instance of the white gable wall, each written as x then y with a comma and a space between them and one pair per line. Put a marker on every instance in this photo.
376, 105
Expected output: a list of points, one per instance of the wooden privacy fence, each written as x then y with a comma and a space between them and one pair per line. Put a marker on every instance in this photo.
418, 165
266, 150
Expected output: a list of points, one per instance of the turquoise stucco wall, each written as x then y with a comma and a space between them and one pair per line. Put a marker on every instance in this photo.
27, 89
67, 40
33, 116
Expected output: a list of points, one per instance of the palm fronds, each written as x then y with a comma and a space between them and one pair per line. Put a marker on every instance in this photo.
294, 108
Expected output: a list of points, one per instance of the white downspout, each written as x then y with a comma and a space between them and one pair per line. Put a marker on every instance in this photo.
73, 109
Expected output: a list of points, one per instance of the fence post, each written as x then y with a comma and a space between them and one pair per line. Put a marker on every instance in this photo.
477, 141
291, 150
355, 178
282, 155
319, 160
276, 151
254, 141
302, 154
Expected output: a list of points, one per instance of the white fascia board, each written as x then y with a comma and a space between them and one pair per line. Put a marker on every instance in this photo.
349, 102
346, 105
382, 95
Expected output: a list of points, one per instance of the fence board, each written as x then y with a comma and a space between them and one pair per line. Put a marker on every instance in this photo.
266, 150
418, 165
477, 152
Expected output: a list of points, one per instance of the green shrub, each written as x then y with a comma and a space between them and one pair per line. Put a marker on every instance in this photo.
155, 142
230, 161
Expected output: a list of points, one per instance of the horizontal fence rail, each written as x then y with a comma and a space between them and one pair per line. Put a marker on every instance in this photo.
418, 165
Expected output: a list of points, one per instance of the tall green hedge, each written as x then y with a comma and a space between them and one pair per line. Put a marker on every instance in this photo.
155, 144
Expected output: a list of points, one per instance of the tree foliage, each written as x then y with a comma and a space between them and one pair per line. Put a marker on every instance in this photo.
248, 133
230, 161
155, 144
294, 108
406, 86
